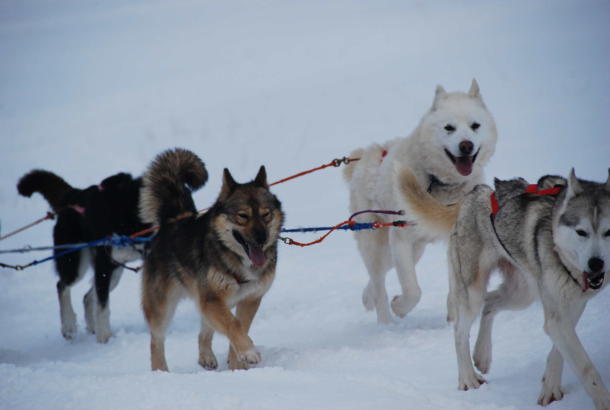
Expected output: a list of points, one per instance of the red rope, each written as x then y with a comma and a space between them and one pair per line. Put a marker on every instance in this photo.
49, 215
334, 163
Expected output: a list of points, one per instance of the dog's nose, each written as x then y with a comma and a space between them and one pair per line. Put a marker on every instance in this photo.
260, 236
466, 147
596, 265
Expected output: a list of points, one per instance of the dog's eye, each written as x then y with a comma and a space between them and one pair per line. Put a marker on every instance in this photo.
582, 233
475, 126
266, 215
243, 216
449, 128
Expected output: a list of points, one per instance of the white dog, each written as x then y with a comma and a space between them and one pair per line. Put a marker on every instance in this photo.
447, 153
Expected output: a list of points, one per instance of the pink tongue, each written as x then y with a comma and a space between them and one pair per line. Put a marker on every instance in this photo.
464, 165
256, 255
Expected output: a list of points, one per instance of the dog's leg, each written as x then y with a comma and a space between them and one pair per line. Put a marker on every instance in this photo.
560, 318
160, 297
207, 359
90, 304
469, 286
219, 316
513, 294
375, 252
66, 312
551, 381
70, 268
406, 253
246, 310
107, 276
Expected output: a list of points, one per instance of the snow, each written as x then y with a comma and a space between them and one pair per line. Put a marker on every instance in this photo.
92, 88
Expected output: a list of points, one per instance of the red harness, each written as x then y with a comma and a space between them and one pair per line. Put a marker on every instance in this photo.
531, 189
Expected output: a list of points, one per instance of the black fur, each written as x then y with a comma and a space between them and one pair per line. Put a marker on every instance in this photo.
109, 208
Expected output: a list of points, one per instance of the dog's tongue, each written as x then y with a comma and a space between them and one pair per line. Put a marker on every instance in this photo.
256, 255
585, 282
464, 165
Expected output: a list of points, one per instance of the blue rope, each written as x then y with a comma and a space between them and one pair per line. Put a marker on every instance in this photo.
355, 227
116, 240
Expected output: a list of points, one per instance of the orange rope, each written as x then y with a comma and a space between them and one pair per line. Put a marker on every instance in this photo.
334, 163
49, 215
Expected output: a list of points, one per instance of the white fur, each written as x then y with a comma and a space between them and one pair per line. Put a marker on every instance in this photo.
373, 185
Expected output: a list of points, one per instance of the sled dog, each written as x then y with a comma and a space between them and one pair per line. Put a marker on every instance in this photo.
221, 259
447, 152
84, 215
554, 247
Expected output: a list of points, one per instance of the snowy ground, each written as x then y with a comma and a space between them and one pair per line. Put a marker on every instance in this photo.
91, 88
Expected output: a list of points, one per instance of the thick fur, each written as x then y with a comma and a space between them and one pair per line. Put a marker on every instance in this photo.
221, 259
447, 153
553, 248
84, 215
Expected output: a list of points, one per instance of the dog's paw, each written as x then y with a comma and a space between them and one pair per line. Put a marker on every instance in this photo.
250, 357
368, 300
602, 403
68, 330
102, 335
400, 306
549, 394
482, 358
208, 361
472, 381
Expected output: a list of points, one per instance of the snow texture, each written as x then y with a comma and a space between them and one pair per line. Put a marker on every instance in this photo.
92, 88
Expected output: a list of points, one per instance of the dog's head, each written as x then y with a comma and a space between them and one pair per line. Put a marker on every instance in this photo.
460, 133
581, 229
249, 218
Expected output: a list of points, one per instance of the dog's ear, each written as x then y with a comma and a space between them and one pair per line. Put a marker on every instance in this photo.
475, 91
439, 94
574, 187
228, 184
261, 177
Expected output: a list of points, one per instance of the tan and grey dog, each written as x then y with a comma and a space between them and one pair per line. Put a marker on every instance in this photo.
447, 152
221, 259
556, 248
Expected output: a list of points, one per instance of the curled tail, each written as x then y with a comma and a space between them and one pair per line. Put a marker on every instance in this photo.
428, 211
52, 187
168, 183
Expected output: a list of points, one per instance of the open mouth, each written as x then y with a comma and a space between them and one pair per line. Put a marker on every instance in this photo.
464, 163
254, 251
593, 280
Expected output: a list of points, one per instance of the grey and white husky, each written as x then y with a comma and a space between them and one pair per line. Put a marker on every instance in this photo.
447, 152
555, 247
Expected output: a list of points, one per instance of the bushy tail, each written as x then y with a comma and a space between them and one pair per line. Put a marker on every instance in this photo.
428, 211
348, 171
52, 187
168, 183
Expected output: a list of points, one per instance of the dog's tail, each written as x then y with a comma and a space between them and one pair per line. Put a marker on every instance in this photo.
168, 183
427, 210
52, 187
348, 171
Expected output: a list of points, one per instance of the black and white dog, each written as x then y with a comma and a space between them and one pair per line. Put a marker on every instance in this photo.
84, 215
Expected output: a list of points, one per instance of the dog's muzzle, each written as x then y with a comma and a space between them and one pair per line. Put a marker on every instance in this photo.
464, 163
254, 251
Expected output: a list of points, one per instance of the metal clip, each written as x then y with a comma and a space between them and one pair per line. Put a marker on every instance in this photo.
286, 240
338, 161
